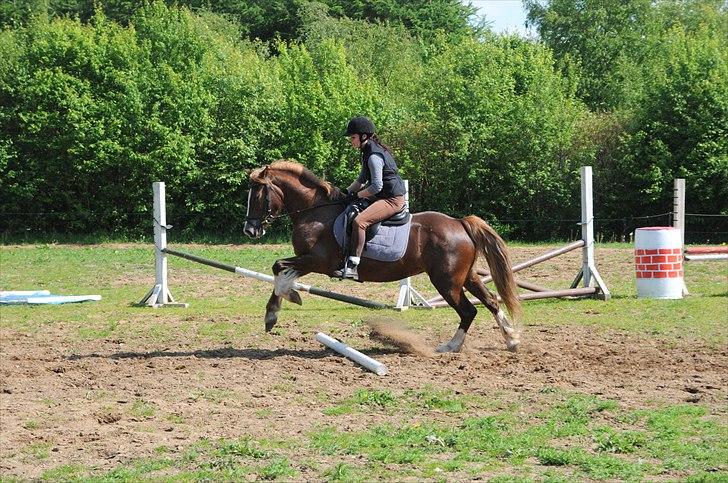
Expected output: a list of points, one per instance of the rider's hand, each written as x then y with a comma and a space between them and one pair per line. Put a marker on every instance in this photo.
350, 197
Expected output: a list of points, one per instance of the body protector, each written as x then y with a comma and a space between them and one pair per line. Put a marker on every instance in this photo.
392, 182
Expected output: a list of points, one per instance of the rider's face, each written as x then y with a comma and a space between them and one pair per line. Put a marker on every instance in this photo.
355, 140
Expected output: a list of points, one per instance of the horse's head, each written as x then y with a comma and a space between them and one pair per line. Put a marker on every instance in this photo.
283, 187
265, 201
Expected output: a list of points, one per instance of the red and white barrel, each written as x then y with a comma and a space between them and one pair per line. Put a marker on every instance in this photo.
658, 262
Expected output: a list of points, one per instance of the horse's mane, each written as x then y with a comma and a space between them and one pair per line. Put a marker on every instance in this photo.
267, 173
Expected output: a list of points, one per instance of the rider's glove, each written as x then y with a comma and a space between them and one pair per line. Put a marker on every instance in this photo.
350, 197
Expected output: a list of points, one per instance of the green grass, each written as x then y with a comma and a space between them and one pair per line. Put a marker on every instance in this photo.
574, 438
220, 310
439, 435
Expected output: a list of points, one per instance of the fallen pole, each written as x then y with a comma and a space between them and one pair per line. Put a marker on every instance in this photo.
373, 365
270, 279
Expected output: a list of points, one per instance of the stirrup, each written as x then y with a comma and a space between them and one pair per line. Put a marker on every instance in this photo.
349, 271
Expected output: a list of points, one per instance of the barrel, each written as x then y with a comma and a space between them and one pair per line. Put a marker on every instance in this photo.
659, 262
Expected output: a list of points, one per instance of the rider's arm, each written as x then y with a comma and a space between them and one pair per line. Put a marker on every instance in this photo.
376, 165
358, 183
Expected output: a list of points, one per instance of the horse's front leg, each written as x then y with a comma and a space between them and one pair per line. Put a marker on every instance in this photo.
285, 274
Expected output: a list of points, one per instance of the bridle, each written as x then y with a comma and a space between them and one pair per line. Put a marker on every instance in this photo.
269, 217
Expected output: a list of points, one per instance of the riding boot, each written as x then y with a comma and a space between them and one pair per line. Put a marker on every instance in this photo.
349, 270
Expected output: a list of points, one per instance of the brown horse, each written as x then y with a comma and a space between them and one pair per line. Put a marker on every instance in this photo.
444, 247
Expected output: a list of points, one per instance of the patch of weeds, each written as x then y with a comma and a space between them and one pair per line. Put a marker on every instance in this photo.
136, 470
363, 399
571, 417
595, 466
366, 397
175, 418
509, 479
283, 387
141, 409
610, 441
64, 473
341, 472
212, 395
31, 424
49, 402
686, 439
39, 451
386, 444
605, 467
264, 413
243, 447
430, 398
278, 468
554, 457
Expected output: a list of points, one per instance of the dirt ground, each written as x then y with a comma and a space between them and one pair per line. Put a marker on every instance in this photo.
82, 403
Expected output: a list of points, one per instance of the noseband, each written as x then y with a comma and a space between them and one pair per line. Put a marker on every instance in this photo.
268, 218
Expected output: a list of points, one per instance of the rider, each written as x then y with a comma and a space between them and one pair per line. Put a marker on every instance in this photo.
378, 182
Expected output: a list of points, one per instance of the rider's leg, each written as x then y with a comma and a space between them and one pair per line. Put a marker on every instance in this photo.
376, 212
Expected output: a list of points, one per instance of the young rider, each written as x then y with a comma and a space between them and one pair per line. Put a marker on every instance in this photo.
378, 181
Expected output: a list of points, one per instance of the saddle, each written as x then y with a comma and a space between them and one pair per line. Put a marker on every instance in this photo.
351, 211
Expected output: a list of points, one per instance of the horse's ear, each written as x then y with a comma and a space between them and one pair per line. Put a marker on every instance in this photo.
258, 174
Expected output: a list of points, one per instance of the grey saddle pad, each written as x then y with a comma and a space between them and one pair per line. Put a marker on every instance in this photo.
388, 245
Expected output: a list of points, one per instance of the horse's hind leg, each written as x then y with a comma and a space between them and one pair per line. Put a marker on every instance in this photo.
455, 297
489, 299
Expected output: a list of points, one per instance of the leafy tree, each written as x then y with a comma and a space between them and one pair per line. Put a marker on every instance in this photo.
681, 130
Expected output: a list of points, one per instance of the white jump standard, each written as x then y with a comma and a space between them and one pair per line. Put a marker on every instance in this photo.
160, 296
588, 275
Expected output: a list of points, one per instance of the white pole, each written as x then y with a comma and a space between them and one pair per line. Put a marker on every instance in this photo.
160, 240
407, 294
589, 268
353, 354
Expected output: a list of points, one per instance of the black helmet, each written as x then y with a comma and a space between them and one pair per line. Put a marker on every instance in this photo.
360, 125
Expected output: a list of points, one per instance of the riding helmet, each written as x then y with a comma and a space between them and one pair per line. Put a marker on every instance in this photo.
360, 125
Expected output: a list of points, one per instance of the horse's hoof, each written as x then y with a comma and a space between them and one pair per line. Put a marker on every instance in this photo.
512, 345
443, 348
270, 321
295, 297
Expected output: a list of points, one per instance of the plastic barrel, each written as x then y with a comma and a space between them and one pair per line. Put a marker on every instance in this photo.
658, 262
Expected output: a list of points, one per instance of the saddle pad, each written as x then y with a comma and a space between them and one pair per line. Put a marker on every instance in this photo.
388, 245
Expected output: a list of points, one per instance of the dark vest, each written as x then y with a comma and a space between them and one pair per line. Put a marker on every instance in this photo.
392, 183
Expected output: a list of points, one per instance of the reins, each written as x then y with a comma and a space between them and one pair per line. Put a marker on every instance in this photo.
270, 217
289, 213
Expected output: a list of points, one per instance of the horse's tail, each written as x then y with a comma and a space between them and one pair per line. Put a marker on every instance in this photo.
491, 246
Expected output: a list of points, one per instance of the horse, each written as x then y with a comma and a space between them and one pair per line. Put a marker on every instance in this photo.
445, 248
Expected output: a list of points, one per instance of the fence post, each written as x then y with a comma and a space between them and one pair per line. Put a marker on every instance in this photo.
678, 215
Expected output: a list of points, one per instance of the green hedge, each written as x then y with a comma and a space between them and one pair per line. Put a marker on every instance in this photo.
91, 113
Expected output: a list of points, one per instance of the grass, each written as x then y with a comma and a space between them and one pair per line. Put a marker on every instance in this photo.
574, 438
438, 435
